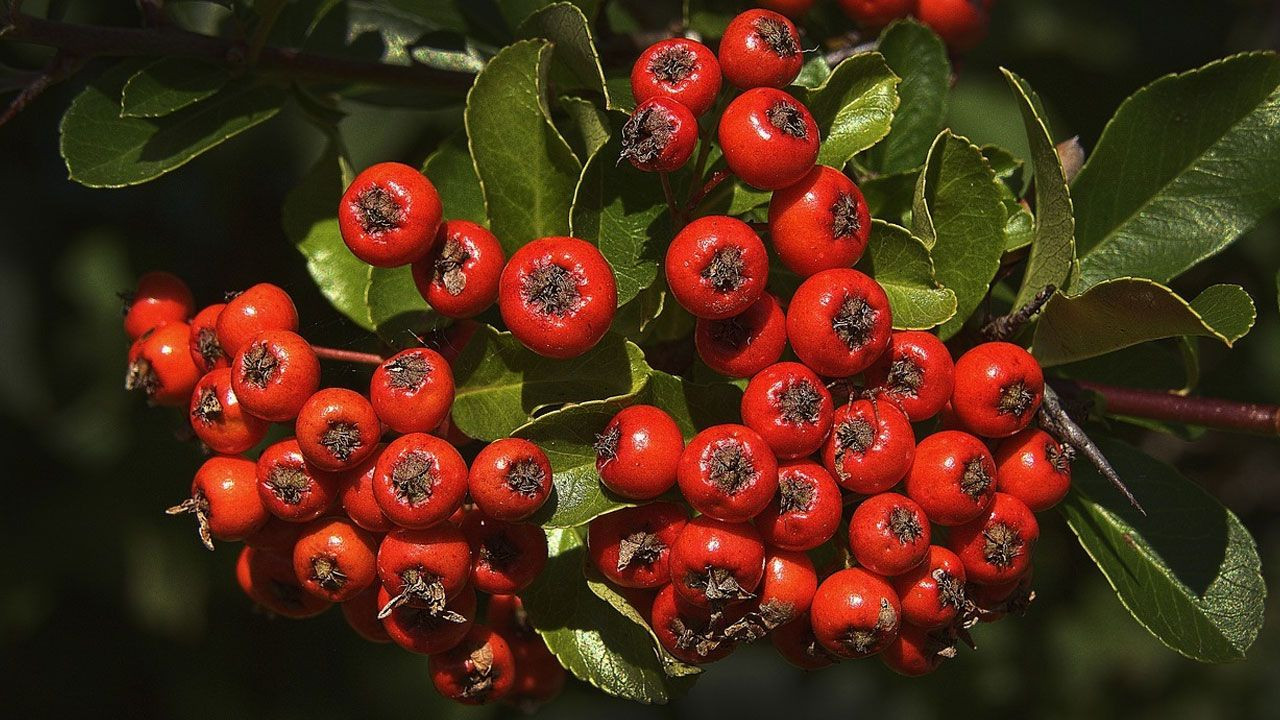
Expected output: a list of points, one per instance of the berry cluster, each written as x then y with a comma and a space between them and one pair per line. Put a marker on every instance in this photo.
961, 23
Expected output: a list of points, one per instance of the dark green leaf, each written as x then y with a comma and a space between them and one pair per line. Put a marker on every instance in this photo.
853, 107
575, 65
709, 18
900, 262
170, 84
915, 54
450, 169
517, 12
584, 126
1159, 365
398, 311
603, 590
694, 406
890, 196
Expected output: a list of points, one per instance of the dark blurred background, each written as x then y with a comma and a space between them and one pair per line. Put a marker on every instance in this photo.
108, 608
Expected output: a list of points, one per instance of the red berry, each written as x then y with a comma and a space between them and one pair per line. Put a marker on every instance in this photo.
420, 480
423, 568
871, 446
412, 391
932, 592
660, 135
507, 556
819, 223
692, 634
290, 487
875, 14
796, 643
678, 68
632, 546
953, 477
744, 344
160, 298
459, 278
790, 407
996, 547
992, 602
510, 479
916, 373
361, 613
275, 374
262, 307
267, 577
389, 215
558, 296
206, 351
788, 587
839, 322
478, 670
889, 534
638, 451
855, 613
716, 563
716, 267
356, 494
217, 418
769, 139
760, 48
728, 472
539, 675
1034, 468
916, 652
998, 389
276, 534
224, 499
426, 631
334, 559
962, 24
806, 511
160, 365
337, 429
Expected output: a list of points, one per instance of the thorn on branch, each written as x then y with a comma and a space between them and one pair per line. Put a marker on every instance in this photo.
1007, 326
1055, 421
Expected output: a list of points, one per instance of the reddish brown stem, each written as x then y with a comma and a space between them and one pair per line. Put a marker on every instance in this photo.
349, 356
1215, 413
712, 183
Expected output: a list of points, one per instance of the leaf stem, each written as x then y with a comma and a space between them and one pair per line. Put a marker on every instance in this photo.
349, 356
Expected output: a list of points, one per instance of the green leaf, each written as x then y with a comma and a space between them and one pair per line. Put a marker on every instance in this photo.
310, 218
1124, 312
501, 384
900, 262
593, 641
890, 196
709, 18
1161, 365
1185, 166
915, 54
170, 84
959, 215
527, 171
853, 107
813, 72
603, 590
517, 11
1053, 249
102, 149
575, 64
1188, 571
694, 406
584, 126
398, 310
453, 173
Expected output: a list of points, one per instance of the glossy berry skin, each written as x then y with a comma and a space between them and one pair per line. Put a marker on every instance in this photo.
389, 215
412, 391
916, 373
932, 592
820, 223
160, 298
770, 140
914, 653
660, 135
558, 296
337, 429
796, 643
224, 499
728, 472
1034, 468
291, 488
426, 631
716, 267
638, 451
998, 389
871, 447
839, 322
267, 577
631, 547
855, 613
419, 480
262, 307
678, 68
744, 344
478, 670
506, 557
674, 620
361, 613
206, 351
996, 547
760, 48
790, 407
160, 365
716, 563
875, 14
953, 477
788, 586
217, 418
962, 24
510, 479
355, 493
806, 510
275, 374
424, 568
459, 278
334, 559
889, 534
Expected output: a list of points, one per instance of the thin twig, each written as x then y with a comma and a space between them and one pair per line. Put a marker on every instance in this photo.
712, 183
1214, 413
61, 67
1007, 326
350, 356
1055, 421
676, 215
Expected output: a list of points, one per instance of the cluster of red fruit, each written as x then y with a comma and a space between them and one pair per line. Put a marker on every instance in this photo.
961, 23
332, 514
